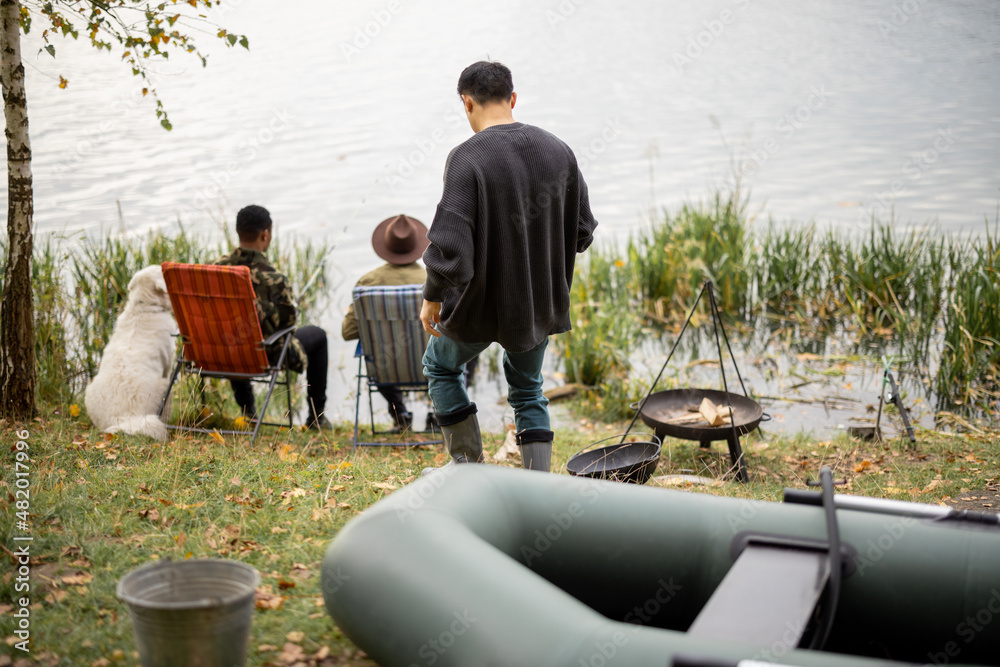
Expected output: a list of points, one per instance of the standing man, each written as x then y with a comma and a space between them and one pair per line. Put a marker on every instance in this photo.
276, 310
513, 215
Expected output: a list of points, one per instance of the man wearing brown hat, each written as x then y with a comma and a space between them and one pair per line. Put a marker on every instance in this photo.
400, 241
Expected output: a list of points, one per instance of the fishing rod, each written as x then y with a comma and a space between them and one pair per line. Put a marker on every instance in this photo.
897, 399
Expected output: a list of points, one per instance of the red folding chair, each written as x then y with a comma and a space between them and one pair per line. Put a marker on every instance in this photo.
216, 312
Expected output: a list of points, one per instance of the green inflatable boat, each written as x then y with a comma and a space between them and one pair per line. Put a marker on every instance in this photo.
481, 565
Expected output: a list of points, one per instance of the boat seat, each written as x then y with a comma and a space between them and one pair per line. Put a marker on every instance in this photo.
767, 596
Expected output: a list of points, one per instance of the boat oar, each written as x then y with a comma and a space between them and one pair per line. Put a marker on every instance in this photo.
892, 507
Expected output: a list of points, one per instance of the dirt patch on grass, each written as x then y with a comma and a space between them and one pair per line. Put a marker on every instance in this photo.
979, 500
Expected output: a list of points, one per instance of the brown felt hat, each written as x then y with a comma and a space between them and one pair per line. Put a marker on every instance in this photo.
400, 239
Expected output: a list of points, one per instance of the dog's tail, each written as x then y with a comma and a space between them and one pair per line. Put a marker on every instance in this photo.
150, 425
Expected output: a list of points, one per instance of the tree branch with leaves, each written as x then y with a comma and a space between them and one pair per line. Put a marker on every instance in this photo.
145, 31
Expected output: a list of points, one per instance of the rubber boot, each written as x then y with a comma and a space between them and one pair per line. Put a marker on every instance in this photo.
536, 449
462, 438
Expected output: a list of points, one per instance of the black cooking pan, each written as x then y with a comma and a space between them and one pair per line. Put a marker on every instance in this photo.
631, 462
664, 405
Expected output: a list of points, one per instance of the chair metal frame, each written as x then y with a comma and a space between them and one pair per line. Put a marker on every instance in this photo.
269, 373
368, 361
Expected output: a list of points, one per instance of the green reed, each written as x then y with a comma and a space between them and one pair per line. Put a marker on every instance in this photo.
892, 279
783, 270
81, 285
100, 270
615, 399
604, 328
970, 359
889, 287
55, 373
671, 258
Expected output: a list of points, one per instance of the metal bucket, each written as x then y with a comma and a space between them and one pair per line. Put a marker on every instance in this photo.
194, 612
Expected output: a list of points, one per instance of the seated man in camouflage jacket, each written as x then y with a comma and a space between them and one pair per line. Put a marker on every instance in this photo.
276, 310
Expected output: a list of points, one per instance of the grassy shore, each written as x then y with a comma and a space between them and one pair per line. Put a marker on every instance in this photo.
101, 506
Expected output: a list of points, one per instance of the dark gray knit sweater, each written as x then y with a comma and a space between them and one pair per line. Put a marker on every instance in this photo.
512, 217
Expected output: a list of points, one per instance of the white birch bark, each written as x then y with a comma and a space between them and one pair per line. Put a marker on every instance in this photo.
17, 330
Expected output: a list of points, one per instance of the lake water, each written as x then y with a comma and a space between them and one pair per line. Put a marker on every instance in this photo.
342, 114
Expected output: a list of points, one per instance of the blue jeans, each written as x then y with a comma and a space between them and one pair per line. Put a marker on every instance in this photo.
445, 359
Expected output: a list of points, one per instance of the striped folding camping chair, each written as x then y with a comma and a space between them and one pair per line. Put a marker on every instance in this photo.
216, 314
390, 347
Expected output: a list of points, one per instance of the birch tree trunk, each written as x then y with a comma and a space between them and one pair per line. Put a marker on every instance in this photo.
17, 326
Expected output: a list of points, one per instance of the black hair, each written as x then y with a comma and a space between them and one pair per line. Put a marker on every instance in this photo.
251, 221
486, 81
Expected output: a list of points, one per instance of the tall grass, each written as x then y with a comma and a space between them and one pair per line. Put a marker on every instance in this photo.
783, 272
888, 287
885, 280
604, 327
970, 358
670, 260
100, 270
893, 279
51, 304
81, 285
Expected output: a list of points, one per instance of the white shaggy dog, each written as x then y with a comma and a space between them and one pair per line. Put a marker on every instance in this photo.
129, 386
